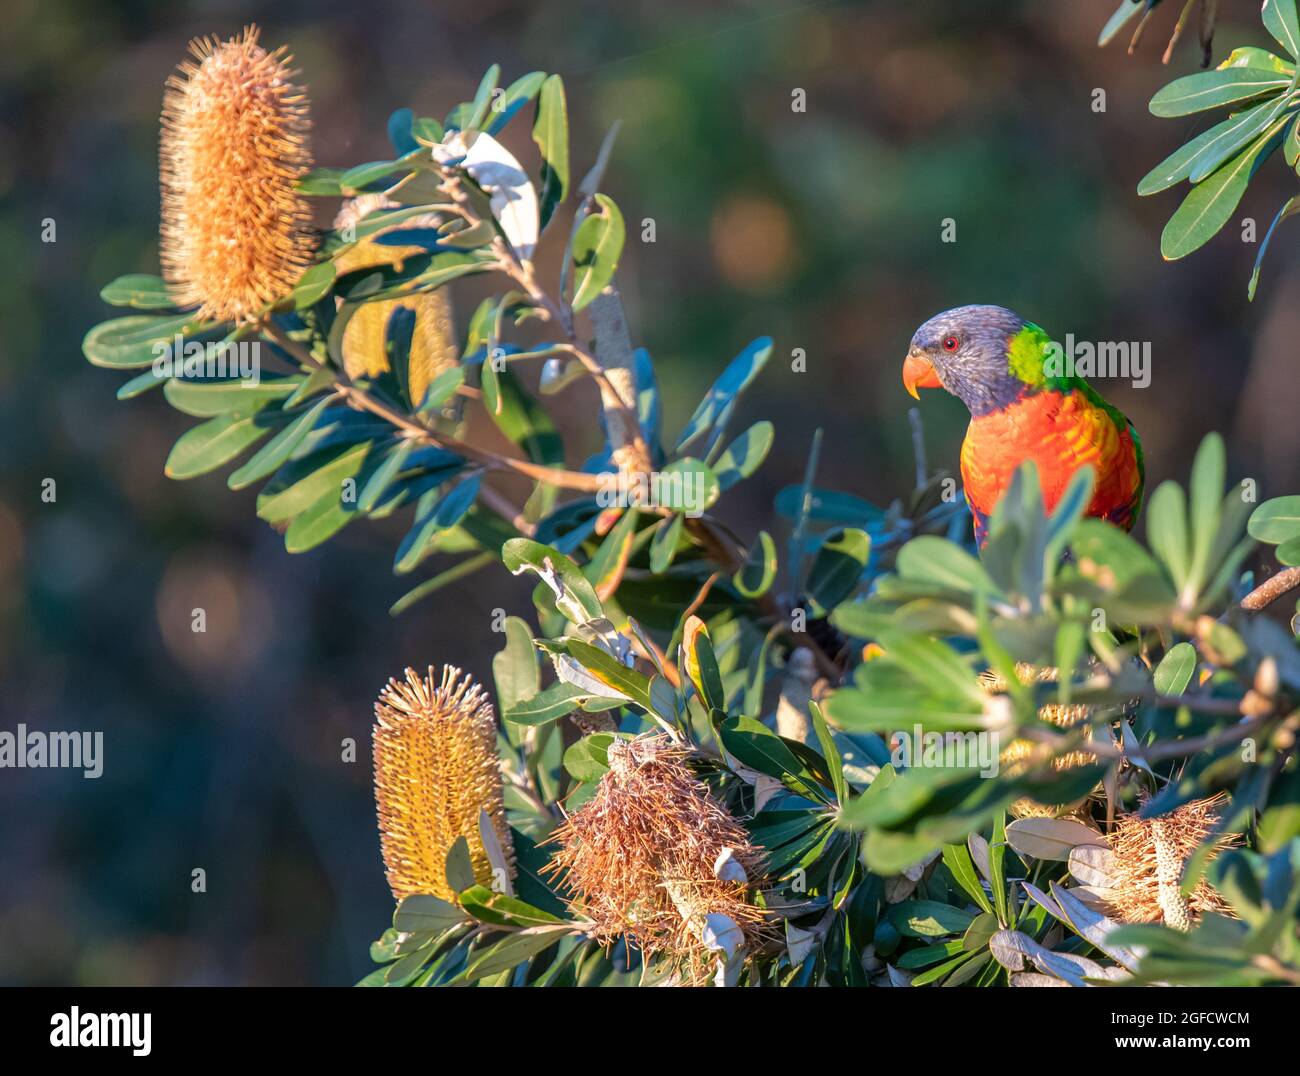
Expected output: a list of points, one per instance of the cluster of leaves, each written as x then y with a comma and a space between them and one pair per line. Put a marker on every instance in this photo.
654, 617
332, 449
1261, 91
880, 871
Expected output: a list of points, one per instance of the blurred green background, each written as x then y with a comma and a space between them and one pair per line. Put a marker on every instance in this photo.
821, 228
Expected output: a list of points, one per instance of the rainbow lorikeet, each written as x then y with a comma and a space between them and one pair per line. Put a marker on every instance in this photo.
993, 360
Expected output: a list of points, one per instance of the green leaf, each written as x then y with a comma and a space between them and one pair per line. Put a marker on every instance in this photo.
1211, 203
597, 246
745, 454
276, 451
558, 700
959, 863
1209, 472
460, 866
551, 133
929, 919
1289, 209
513, 950
454, 574
483, 98
933, 664
514, 667
1123, 14
139, 290
141, 339
701, 664
302, 484
931, 559
685, 485
1250, 56
212, 444
1175, 670
318, 523
1167, 529
521, 554
716, 407
314, 285
663, 546
611, 672
1213, 89
831, 753
356, 180
205, 399
384, 475
997, 871
516, 95
442, 388
588, 759
1229, 141
425, 912
837, 568
321, 183
1280, 21
435, 514
1178, 165
758, 747
1276, 521
757, 575
1288, 552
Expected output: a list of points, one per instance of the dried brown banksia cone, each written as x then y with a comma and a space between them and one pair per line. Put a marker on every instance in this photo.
436, 771
1148, 858
235, 231
1018, 755
433, 343
654, 857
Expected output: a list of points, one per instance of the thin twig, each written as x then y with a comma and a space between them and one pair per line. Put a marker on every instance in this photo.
1271, 589
359, 398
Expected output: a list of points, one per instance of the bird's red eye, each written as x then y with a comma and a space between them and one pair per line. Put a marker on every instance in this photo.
950, 343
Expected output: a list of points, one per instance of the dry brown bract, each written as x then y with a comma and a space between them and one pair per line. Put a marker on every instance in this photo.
436, 768
235, 231
1149, 858
644, 856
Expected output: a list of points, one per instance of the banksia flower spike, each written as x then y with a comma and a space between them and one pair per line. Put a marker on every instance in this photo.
365, 338
1147, 863
235, 233
436, 776
1019, 755
653, 857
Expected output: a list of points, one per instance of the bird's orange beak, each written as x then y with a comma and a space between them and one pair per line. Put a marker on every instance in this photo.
919, 373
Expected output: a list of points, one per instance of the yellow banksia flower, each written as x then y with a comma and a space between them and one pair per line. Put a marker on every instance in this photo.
236, 234
652, 856
433, 342
1019, 755
436, 772
1149, 856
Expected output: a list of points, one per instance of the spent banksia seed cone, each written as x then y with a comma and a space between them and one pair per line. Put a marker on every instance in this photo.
236, 234
436, 773
654, 857
1149, 858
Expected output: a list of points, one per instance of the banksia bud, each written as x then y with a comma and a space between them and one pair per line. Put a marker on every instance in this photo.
1019, 755
653, 857
365, 338
235, 231
436, 771
1148, 859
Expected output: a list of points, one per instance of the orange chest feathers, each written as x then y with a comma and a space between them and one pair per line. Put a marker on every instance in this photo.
1059, 432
